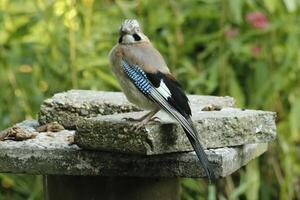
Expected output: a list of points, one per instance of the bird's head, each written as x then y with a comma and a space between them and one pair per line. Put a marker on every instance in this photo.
131, 33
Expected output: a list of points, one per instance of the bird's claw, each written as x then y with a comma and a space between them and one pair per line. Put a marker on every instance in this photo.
130, 119
139, 125
155, 119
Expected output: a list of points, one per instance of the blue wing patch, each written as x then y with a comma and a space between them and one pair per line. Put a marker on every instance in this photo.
137, 76
160, 93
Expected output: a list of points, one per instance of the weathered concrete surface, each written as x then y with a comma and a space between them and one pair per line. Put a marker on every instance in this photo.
228, 127
68, 108
50, 153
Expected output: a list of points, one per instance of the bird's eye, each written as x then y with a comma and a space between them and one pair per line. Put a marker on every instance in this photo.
136, 37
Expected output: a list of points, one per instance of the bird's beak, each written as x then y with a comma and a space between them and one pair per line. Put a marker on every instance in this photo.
122, 33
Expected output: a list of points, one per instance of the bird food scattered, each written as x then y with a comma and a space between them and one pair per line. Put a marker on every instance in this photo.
50, 127
16, 133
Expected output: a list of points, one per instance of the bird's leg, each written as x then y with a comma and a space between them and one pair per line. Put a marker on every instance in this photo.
138, 119
146, 119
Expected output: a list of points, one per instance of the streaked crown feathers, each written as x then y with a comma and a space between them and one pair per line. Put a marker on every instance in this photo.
130, 26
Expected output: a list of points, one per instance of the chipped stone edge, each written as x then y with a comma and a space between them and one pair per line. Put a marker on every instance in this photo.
89, 131
54, 109
31, 158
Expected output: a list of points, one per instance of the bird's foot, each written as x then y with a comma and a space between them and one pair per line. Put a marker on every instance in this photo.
137, 126
131, 119
144, 122
211, 107
140, 119
155, 119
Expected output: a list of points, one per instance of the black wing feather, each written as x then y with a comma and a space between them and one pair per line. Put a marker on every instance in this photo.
178, 98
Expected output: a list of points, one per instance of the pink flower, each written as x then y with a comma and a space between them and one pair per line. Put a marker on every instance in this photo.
255, 50
257, 20
231, 32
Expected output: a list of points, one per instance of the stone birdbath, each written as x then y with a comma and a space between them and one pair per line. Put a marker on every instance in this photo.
84, 148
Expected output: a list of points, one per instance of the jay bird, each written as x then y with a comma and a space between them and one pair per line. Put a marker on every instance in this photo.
147, 82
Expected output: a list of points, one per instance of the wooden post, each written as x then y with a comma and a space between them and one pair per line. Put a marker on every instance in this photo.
62, 187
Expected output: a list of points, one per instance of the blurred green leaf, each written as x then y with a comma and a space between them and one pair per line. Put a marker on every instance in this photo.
291, 5
252, 177
212, 192
271, 5
295, 120
235, 89
235, 8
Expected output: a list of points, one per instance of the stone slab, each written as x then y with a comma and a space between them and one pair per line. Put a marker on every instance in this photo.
228, 127
50, 153
69, 107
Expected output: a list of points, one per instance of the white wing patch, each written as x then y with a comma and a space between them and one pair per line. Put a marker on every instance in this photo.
164, 90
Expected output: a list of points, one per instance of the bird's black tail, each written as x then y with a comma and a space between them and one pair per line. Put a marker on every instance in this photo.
183, 117
200, 153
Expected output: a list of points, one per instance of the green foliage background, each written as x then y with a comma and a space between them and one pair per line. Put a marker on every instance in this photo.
48, 46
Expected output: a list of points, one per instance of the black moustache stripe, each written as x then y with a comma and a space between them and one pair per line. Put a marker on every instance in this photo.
136, 37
